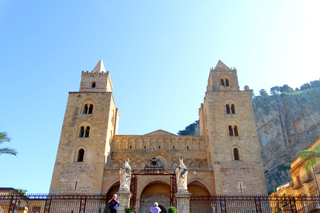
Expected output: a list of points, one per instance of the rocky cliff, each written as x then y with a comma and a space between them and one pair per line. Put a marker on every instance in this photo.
286, 124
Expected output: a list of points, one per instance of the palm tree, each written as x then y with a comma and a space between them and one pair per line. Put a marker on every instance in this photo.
312, 157
4, 138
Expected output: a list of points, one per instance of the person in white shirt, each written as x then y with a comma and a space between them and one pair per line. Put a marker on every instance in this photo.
155, 208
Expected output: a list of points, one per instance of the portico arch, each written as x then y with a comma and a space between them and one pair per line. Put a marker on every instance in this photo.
157, 191
197, 188
113, 190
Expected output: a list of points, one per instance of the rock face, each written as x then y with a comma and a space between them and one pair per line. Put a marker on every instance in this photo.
286, 124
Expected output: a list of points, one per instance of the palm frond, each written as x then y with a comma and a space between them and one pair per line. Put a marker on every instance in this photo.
311, 163
8, 151
4, 137
312, 153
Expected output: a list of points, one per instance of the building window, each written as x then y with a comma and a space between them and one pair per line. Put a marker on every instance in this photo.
235, 128
227, 82
86, 135
187, 147
80, 155
172, 147
130, 147
159, 147
88, 109
85, 109
236, 154
233, 109
222, 82
93, 85
230, 131
233, 131
81, 133
228, 109
144, 147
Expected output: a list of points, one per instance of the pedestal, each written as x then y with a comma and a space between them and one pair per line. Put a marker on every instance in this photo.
183, 201
124, 200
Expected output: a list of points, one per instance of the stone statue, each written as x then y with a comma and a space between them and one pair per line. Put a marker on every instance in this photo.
181, 175
125, 176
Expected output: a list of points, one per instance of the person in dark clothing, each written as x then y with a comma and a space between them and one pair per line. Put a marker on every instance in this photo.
114, 203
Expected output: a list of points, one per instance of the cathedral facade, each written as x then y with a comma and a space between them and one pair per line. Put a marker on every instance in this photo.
224, 159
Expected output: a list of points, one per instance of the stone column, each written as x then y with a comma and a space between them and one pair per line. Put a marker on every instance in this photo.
183, 201
124, 200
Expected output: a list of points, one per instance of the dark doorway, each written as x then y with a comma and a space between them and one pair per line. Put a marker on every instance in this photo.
163, 210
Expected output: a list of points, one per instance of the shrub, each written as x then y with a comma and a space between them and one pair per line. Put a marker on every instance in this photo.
129, 210
172, 209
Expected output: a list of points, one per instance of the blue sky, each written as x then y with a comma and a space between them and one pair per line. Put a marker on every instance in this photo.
159, 55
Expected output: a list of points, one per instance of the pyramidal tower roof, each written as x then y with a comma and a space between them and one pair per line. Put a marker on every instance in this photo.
99, 67
220, 64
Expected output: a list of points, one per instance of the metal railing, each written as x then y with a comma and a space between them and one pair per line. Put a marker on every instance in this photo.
253, 204
84, 203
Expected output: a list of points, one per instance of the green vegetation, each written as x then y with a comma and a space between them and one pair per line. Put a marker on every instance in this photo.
129, 210
172, 209
21, 191
286, 89
263, 93
4, 138
189, 130
312, 157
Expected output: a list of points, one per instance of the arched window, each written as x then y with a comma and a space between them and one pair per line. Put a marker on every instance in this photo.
86, 135
236, 154
233, 109
236, 131
81, 132
230, 131
80, 155
222, 82
90, 109
228, 109
85, 109
93, 85
227, 82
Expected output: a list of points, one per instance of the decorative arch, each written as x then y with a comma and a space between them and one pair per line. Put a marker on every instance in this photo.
198, 187
113, 188
80, 156
147, 195
233, 154
87, 106
233, 129
230, 106
149, 182
162, 153
225, 80
84, 129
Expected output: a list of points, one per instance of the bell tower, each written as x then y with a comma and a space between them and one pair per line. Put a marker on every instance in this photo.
227, 121
90, 122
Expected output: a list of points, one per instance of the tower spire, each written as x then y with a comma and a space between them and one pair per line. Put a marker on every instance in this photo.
99, 67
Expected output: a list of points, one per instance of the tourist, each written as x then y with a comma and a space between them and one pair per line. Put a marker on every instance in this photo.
114, 203
155, 208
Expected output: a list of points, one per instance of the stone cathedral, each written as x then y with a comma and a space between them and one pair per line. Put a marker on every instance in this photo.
224, 159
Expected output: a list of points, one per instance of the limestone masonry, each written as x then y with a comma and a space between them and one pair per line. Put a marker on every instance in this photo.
224, 159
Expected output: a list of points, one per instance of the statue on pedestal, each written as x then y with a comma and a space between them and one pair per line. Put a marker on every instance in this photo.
181, 175
125, 176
